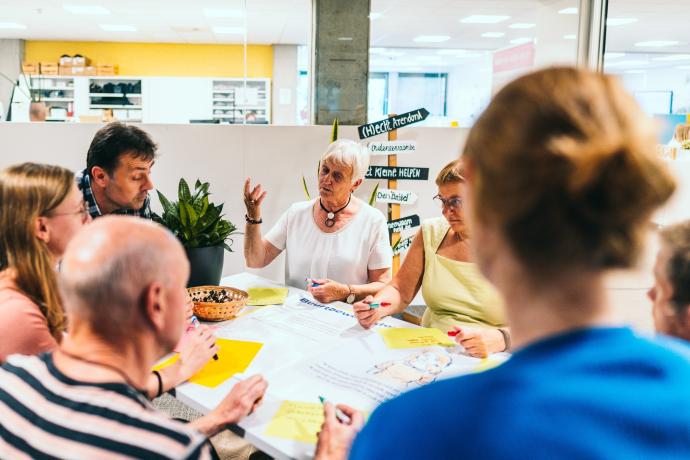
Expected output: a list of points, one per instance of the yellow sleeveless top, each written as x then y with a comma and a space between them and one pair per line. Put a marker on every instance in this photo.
455, 293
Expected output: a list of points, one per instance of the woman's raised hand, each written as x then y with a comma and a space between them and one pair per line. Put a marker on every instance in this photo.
253, 199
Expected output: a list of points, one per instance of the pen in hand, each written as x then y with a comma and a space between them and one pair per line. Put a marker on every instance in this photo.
377, 305
195, 323
339, 414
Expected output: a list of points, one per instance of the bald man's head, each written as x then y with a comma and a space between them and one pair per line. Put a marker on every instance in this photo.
125, 275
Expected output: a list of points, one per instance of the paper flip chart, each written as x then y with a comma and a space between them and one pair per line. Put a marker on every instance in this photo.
409, 337
266, 296
298, 421
234, 356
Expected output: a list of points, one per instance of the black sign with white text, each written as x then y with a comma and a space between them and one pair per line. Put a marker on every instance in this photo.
398, 225
390, 124
397, 173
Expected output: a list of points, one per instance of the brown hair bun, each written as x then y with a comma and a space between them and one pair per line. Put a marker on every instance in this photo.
566, 167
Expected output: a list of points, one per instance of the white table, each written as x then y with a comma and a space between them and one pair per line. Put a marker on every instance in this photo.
309, 349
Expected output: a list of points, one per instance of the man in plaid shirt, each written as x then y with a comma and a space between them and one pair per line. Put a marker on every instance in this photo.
117, 178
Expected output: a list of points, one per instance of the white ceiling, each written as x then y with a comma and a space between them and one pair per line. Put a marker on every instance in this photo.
289, 21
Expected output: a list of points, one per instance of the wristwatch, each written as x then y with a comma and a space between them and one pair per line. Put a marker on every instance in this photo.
351, 296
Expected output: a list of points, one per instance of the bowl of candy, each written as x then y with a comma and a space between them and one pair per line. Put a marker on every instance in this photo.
217, 303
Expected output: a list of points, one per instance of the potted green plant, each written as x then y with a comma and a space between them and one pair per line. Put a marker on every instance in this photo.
200, 226
37, 110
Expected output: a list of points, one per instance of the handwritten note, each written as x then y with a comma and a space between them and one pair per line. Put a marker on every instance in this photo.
297, 421
234, 356
266, 296
406, 337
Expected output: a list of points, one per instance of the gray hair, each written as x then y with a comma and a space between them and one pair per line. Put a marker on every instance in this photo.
110, 296
350, 153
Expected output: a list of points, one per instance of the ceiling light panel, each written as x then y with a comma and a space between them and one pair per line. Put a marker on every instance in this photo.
484, 19
522, 25
91, 10
12, 25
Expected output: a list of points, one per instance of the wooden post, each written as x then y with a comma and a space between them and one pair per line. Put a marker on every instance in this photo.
393, 209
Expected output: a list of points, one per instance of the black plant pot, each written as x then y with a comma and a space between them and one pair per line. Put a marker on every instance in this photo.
206, 265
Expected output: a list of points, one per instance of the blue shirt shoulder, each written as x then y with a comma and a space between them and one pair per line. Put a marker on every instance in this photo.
593, 393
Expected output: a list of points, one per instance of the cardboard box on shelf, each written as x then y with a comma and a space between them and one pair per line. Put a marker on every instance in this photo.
49, 68
77, 70
106, 69
30, 68
65, 69
80, 60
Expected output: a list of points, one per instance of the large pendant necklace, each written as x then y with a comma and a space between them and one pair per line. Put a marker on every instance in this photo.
330, 215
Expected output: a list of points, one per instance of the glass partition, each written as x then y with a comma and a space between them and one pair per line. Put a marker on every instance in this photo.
451, 58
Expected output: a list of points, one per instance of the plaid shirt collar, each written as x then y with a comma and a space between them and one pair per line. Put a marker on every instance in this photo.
84, 184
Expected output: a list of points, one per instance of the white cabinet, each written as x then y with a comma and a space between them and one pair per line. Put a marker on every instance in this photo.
151, 99
235, 100
176, 99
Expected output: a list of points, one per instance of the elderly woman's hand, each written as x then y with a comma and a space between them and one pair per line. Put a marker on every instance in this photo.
336, 437
480, 342
253, 199
328, 290
365, 315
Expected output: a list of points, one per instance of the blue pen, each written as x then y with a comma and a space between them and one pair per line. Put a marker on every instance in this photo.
195, 323
339, 414
313, 284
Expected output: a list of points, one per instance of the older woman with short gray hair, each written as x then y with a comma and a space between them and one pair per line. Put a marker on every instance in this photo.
336, 242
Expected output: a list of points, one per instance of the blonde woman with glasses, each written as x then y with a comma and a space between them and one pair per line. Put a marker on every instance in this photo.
459, 299
41, 208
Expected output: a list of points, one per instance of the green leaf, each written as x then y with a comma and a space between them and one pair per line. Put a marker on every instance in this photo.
167, 206
201, 190
372, 198
197, 184
184, 218
192, 214
183, 191
306, 190
334, 131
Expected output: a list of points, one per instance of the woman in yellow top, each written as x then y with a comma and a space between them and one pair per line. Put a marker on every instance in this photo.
459, 299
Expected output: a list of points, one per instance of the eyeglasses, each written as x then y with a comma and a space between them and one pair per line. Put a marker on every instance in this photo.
451, 203
83, 211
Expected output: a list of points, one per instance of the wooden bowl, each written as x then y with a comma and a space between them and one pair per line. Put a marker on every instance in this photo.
217, 303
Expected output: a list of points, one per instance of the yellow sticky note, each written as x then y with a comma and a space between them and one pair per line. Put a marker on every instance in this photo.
297, 421
413, 337
487, 363
234, 356
266, 296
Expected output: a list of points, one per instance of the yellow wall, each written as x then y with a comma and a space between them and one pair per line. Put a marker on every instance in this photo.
162, 59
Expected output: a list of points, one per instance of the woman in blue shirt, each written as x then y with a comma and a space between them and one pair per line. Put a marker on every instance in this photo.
561, 180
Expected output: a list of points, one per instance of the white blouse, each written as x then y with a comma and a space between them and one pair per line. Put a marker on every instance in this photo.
343, 256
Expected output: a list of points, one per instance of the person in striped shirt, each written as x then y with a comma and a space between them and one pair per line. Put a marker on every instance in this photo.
122, 282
